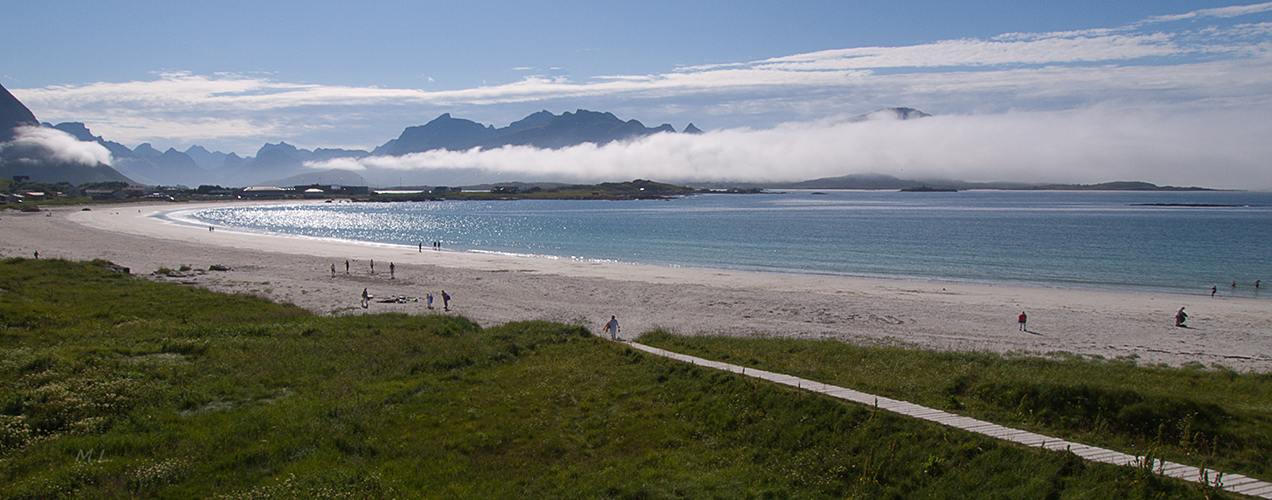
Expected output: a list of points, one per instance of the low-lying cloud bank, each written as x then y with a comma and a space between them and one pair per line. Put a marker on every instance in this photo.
42, 145
1221, 149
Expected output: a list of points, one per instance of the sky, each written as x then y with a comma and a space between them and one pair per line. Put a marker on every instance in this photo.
1169, 92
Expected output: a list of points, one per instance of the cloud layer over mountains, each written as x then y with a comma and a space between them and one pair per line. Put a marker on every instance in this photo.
42, 144
1082, 146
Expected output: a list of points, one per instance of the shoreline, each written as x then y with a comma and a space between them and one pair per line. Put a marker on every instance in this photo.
1083, 286
492, 289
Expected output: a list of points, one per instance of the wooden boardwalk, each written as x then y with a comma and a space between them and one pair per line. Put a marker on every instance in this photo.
1235, 483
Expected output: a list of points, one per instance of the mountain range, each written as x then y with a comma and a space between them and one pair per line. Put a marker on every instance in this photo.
283, 163
543, 130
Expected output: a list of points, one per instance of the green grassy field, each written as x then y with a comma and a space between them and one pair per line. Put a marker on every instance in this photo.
118, 387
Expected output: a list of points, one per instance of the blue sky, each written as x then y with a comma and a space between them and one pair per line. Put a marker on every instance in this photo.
1081, 91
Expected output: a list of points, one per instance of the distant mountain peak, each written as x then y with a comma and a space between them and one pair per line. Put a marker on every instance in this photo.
146, 150
887, 114
79, 130
13, 114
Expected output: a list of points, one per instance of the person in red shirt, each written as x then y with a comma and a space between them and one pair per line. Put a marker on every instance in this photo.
1022, 320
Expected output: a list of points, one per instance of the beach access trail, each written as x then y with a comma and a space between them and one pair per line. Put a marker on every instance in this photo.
1231, 332
1235, 483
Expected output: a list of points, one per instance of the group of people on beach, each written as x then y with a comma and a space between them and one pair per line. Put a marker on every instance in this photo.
428, 297
366, 294
1215, 289
1180, 318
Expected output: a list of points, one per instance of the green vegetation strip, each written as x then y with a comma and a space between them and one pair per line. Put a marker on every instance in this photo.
118, 387
1210, 418
1227, 481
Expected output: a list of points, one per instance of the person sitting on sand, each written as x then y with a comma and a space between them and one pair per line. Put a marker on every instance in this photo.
1180, 317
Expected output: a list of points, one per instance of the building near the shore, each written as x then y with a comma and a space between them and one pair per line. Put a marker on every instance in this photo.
265, 192
334, 189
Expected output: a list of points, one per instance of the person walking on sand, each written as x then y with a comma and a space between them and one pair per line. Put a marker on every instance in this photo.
366, 298
445, 301
346, 266
429, 296
612, 327
1022, 319
1180, 317
391, 268
333, 270
372, 266
1213, 289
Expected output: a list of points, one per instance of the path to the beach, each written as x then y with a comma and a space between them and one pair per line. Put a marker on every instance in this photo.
1235, 483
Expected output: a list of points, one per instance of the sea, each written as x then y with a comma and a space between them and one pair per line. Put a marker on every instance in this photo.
1136, 241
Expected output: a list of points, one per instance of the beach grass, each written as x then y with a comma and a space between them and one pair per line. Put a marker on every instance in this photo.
120, 387
1201, 416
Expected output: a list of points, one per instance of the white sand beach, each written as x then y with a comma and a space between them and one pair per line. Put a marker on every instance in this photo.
1232, 332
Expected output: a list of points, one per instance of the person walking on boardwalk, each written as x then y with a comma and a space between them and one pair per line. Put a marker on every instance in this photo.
612, 327
1180, 317
1022, 319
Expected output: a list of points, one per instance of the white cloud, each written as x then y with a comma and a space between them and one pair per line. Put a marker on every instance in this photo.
1218, 12
1206, 148
970, 52
56, 145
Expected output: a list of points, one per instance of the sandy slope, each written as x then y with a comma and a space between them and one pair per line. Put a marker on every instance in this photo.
1233, 332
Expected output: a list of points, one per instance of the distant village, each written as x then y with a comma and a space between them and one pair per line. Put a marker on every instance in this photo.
19, 191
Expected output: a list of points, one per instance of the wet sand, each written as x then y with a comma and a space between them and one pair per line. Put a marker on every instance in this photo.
1233, 332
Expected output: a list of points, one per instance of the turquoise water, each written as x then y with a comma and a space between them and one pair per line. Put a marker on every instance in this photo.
1090, 240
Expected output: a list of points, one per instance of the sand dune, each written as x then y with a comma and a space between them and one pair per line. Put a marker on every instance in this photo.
493, 289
